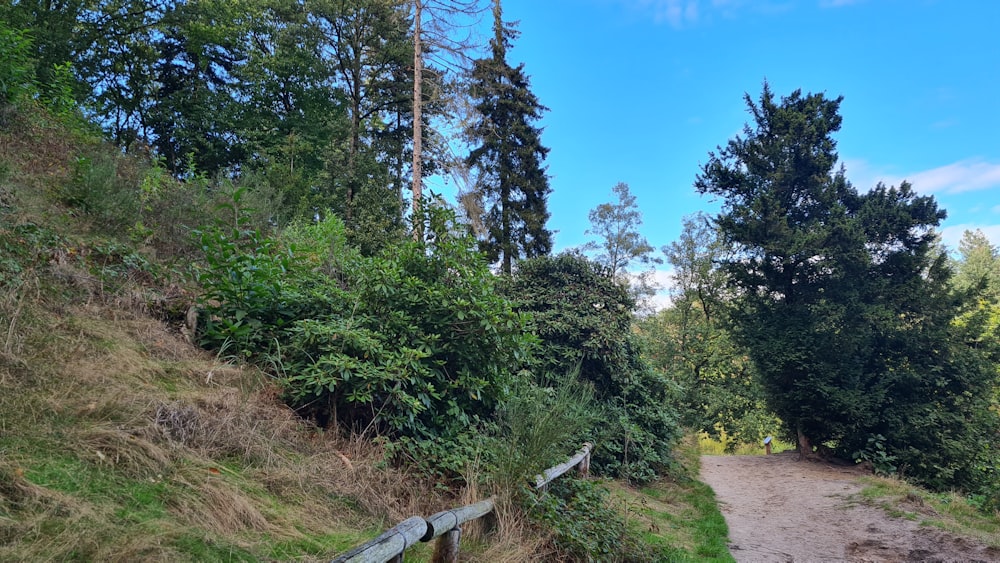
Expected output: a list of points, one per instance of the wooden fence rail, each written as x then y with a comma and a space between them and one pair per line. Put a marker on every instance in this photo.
445, 525
581, 458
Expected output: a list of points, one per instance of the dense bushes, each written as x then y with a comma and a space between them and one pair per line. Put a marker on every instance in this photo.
419, 344
583, 318
412, 343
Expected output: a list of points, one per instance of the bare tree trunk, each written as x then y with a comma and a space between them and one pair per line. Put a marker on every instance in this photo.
418, 71
805, 446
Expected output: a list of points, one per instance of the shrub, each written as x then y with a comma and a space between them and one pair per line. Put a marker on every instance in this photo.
415, 344
425, 349
583, 318
584, 523
16, 67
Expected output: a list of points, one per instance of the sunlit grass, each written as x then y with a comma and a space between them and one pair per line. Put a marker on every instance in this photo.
724, 445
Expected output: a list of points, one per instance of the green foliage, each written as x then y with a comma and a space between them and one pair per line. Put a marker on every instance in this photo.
583, 319
689, 342
511, 185
426, 350
414, 344
585, 525
842, 299
537, 428
98, 191
876, 454
249, 281
16, 67
24, 248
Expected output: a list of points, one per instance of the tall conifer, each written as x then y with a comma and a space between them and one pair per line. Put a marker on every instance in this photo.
511, 179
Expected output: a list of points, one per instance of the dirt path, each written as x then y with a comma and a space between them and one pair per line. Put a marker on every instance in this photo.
780, 509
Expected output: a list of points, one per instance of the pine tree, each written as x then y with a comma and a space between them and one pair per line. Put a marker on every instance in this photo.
511, 182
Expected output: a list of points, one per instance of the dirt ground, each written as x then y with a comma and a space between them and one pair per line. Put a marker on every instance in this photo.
781, 509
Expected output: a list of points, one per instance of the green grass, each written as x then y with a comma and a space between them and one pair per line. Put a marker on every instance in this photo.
677, 516
951, 512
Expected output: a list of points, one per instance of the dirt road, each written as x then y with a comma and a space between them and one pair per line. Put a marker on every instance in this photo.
781, 509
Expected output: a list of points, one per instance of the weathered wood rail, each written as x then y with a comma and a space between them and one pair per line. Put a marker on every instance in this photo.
580, 458
446, 526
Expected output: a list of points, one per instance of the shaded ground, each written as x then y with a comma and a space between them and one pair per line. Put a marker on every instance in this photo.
781, 509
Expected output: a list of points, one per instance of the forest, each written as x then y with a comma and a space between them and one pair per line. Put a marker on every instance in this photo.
252, 174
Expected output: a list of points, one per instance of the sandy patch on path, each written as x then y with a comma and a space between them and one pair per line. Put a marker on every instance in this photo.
781, 509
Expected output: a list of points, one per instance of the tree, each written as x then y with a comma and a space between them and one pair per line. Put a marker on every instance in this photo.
619, 242
979, 266
511, 179
690, 343
432, 19
369, 46
584, 319
842, 298
194, 120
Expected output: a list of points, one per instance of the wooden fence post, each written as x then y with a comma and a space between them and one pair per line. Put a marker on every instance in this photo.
445, 526
446, 548
581, 456
584, 467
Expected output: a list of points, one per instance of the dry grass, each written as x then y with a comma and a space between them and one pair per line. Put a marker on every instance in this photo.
206, 500
119, 441
137, 403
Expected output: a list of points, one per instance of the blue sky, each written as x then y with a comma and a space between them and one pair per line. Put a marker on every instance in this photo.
639, 91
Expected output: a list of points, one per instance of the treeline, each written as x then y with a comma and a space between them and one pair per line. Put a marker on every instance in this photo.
259, 157
310, 106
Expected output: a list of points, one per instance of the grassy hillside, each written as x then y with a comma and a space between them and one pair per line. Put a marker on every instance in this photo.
121, 440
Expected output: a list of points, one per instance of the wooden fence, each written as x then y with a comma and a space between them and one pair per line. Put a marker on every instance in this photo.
445, 526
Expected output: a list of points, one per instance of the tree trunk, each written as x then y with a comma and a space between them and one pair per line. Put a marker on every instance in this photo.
418, 71
805, 446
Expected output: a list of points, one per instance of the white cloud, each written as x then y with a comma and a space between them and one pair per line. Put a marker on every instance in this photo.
971, 174
686, 13
963, 176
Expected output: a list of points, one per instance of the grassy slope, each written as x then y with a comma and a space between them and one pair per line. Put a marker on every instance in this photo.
119, 440
677, 516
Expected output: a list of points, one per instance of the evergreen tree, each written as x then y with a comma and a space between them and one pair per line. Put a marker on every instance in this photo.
843, 300
511, 182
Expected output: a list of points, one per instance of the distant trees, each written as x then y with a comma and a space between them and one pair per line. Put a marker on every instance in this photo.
619, 244
508, 156
690, 342
842, 298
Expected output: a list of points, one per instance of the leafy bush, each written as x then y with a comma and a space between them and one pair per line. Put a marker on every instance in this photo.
415, 344
425, 348
585, 525
243, 282
583, 318
96, 190
16, 67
